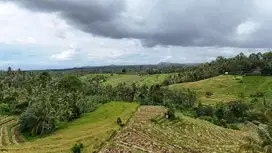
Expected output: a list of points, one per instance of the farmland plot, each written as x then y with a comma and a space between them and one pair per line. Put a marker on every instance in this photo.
186, 135
9, 131
91, 129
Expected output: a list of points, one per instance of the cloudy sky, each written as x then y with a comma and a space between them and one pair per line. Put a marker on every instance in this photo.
38, 34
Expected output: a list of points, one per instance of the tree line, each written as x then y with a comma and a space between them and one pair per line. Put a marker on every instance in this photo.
254, 64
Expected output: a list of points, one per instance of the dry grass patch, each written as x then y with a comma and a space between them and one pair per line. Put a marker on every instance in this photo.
184, 135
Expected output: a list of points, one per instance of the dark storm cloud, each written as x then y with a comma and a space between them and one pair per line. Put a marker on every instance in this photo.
165, 22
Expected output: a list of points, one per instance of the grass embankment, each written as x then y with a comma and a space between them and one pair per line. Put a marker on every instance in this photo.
182, 135
92, 130
225, 88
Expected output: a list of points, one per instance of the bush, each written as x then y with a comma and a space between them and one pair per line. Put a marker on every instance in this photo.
204, 111
154, 120
208, 94
254, 101
220, 111
170, 114
233, 126
237, 109
241, 95
240, 81
4, 108
257, 94
223, 123
77, 148
119, 121
207, 118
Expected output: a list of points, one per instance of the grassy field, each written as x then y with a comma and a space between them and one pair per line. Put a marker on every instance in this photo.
116, 79
183, 135
140, 80
227, 87
92, 129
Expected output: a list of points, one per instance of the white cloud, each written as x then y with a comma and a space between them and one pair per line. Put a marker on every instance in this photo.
247, 28
67, 54
42, 36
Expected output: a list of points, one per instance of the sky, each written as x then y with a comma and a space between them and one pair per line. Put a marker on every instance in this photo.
45, 34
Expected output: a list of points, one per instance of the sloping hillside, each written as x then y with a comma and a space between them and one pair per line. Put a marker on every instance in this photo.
140, 80
93, 129
186, 135
227, 87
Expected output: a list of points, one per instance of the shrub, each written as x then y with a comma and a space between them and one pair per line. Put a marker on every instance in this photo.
204, 111
257, 94
154, 120
119, 121
241, 95
220, 111
233, 126
208, 94
170, 114
223, 123
166, 82
4, 108
237, 109
207, 118
240, 81
254, 101
77, 148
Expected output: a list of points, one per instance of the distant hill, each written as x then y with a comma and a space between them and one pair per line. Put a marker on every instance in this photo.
118, 68
169, 64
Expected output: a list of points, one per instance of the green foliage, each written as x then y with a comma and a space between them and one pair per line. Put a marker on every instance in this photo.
257, 94
37, 120
77, 148
219, 111
204, 110
90, 103
119, 121
4, 108
70, 83
207, 118
233, 126
208, 94
170, 114
241, 95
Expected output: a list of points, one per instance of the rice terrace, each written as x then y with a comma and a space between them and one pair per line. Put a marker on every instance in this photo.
182, 108
135, 76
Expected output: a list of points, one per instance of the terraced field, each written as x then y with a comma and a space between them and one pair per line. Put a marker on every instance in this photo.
116, 79
92, 129
186, 135
9, 132
140, 80
227, 87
